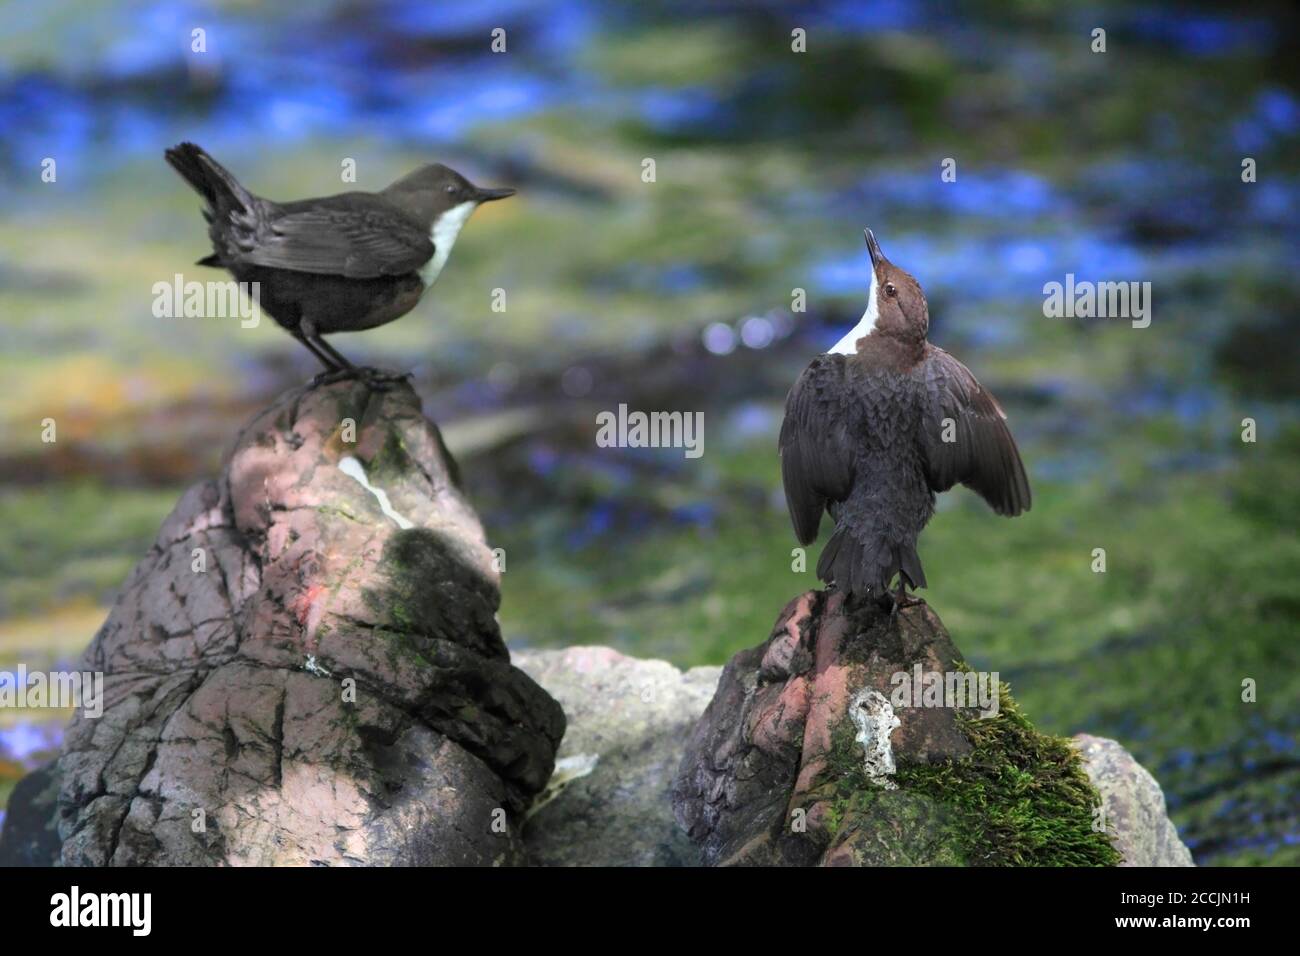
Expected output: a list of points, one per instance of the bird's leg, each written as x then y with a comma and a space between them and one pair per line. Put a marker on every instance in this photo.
337, 367
332, 373
375, 379
881, 598
378, 380
320, 356
307, 335
334, 354
333, 359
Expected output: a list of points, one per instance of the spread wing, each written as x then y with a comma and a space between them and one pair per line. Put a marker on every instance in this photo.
355, 243
982, 455
816, 453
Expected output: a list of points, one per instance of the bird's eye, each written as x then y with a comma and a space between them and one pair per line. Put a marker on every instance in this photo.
889, 289
451, 189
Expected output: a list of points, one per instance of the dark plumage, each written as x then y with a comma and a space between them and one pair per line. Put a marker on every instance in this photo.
863, 439
339, 263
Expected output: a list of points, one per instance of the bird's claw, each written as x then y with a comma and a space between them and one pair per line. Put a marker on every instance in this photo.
380, 381
374, 379
330, 376
903, 600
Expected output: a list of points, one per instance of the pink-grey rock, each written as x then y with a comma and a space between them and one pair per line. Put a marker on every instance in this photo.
306, 667
608, 803
752, 786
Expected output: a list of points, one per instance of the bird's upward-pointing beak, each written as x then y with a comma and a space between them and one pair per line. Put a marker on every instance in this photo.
873, 247
491, 195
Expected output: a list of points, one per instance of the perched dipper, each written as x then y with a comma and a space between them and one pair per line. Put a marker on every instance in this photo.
877, 425
339, 263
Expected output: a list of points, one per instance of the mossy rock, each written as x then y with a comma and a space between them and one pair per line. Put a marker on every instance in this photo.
807, 755
1020, 798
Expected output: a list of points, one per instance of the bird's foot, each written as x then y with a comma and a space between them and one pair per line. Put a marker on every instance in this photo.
901, 600
332, 375
374, 379
377, 380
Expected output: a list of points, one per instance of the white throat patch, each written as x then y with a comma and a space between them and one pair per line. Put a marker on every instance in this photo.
443, 235
849, 344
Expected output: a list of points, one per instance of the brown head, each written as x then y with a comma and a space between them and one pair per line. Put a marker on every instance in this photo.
900, 306
436, 190
896, 307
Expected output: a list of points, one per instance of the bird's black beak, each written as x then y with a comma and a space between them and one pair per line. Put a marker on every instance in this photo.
873, 248
492, 195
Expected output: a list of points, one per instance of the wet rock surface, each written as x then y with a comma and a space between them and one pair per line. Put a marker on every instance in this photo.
306, 667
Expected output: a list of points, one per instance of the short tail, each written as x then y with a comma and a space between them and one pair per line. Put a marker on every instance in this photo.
210, 179
865, 571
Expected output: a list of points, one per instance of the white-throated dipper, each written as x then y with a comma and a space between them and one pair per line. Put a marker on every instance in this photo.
340, 263
877, 425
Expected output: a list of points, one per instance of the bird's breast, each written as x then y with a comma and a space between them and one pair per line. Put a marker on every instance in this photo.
443, 236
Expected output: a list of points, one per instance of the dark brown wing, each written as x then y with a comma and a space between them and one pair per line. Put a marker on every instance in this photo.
356, 243
816, 456
982, 455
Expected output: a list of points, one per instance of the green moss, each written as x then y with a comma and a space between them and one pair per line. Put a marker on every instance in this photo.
1021, 798
347, 719
411, 559
895, 827
340, 510
414, 560
391, 463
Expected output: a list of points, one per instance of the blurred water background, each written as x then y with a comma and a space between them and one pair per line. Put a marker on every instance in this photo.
1123, 165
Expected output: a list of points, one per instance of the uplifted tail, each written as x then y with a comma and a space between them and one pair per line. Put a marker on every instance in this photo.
210, 180
864, 571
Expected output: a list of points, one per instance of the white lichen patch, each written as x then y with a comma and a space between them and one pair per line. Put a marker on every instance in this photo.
354, 470
875, 719
312, 666
567, 770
